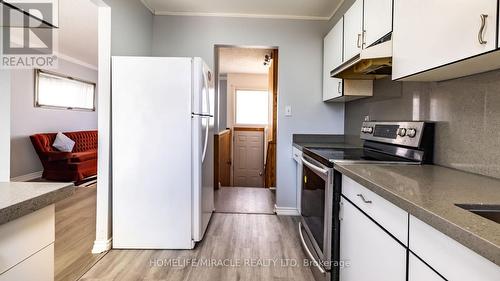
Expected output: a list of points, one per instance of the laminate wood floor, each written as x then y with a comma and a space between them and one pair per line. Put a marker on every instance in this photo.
246, 200
237, 246
75, 234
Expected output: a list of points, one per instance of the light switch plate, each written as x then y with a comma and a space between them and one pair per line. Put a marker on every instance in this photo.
288, 110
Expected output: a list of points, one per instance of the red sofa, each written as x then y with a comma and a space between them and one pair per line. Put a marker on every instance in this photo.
67, 166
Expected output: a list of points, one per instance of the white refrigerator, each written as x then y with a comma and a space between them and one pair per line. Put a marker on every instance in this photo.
162, 152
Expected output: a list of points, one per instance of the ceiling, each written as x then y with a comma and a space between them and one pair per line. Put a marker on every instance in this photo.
243, 60
293, 9
77, 33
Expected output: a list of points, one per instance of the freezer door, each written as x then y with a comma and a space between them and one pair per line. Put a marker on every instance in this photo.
204, 89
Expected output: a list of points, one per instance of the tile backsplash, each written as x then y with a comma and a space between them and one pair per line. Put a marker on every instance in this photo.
466, 112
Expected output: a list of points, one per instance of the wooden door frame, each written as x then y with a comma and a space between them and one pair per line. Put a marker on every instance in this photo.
275, 56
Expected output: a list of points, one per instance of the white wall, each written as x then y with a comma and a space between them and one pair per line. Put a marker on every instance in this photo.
300, 45
131, 28
4, 125
26, 119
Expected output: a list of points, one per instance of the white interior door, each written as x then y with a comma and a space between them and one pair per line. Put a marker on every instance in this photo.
248, 158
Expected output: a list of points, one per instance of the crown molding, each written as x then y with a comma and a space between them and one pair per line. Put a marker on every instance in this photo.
145, 3
238, 15
336, 9
75, 61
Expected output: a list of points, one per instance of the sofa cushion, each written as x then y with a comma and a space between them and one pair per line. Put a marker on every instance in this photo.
84, 156
63, 143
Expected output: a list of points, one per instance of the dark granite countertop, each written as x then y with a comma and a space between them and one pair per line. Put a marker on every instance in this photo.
320, 141
430, 193
18, 199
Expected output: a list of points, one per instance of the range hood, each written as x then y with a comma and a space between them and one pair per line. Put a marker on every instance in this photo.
372, 63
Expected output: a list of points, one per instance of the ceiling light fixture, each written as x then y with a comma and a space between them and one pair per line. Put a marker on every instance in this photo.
267, 60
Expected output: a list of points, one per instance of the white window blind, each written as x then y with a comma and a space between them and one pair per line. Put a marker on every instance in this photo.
53, 90
252, 107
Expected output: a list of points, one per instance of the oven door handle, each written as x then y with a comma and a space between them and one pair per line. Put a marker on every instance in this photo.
315, 262
314, 167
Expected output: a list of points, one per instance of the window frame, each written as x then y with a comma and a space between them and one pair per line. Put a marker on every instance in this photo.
37, 80
236, 107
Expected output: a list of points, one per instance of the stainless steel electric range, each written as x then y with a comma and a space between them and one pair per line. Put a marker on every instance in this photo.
406, 143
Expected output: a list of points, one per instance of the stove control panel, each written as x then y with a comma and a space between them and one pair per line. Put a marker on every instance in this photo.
400, 133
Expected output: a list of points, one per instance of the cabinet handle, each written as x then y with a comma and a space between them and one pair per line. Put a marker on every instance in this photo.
364, 200
339, 87
480, 35
364, 38
358, 43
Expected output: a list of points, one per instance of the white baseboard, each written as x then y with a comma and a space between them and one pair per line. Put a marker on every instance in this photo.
101, 246
286, 211
28, 177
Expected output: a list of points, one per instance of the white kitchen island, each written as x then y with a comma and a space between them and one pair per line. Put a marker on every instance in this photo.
27, 229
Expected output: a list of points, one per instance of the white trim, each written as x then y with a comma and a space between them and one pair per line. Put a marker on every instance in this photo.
286, 211
27, 177
75, 61
145, 3
101, 246
238, 15
336, 9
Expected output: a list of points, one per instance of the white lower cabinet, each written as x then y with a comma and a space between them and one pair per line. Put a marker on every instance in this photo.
419, 271
451, 259
297, 156
368, 251
39, 266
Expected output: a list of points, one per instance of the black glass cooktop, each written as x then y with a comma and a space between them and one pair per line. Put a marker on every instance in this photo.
327, 156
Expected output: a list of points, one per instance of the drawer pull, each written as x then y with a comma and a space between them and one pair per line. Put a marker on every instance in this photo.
480, 35
363, 198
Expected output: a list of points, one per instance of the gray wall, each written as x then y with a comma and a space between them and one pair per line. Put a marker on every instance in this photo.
26, 119
131, 28
300, 45
467, 112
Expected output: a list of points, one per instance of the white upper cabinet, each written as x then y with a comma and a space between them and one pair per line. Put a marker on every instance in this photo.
377, 20
353, 30
428, 34
332, 58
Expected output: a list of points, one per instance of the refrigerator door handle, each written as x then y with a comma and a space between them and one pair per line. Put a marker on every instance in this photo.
207, 93
206, 138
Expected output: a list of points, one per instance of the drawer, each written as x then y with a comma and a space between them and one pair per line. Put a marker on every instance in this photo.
389, 216
296, 154
25, 236
452, 260
39, 266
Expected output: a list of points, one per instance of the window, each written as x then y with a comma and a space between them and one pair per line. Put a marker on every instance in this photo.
252, 107
54, 90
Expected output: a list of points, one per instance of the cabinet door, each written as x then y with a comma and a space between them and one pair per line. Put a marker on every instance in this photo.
370, 252
377, 20
332, 58
419, 271
353, 30
428, 33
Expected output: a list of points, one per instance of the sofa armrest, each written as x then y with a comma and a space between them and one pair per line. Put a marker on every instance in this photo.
57, 156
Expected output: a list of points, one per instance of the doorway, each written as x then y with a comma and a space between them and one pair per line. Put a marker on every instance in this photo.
245, 146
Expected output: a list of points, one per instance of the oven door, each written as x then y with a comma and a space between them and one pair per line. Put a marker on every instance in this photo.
316, 212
